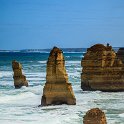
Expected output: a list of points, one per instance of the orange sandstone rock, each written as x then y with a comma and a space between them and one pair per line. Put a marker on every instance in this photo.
57, 90
102, 70
19, 78
94, 116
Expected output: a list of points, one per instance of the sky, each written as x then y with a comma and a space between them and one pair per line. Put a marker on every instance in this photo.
38, 24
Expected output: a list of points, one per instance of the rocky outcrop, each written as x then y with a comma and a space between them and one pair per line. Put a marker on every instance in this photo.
102, 70
120, 54
57, 90
94, 116
19, 78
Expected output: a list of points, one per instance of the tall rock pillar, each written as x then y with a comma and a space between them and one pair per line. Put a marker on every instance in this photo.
57, 89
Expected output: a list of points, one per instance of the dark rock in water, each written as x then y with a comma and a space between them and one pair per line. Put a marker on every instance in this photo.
94, 116
57, 90
19, 78
120, 54
102, 70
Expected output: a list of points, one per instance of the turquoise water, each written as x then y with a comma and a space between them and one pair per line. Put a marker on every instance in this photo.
19, 106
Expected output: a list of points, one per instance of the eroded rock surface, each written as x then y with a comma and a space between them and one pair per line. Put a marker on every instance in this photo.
57, 89
19, 78
120, 54
102, 70
94, 116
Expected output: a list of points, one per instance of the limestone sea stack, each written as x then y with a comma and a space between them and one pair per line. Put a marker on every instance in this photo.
19, 78
120, 54
102, 70
94, 116
57, 89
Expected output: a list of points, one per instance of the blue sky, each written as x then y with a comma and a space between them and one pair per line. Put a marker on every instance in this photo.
38, 24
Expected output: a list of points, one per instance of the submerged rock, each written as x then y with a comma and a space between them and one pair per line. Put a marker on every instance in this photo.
57, 89
94, 116
102, 70
19, 78
120, 54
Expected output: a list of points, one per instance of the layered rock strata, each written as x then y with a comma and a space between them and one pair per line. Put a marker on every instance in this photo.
19, 78
57, 89
94, 116
120, 54
102, 70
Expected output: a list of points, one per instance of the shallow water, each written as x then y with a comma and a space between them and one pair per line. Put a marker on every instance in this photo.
19, 106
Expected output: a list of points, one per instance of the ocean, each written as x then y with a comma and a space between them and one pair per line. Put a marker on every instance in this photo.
20, 106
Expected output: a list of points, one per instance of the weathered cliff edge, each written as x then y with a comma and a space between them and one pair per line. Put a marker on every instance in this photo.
120, 54
102, 70
19, 78
57, 90
94, 116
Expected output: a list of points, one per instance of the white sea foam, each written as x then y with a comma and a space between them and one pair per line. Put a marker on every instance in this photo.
23, 106
7, 83
6, 74
17, 97
43, 62
73, 62
121, 115
35, 78
25, 95
37, 74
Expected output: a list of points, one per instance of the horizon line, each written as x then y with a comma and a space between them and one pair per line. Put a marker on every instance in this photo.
48, 48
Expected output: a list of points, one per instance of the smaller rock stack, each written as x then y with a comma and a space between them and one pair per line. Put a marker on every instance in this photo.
57, 89
94, 116
120, 54
19, 78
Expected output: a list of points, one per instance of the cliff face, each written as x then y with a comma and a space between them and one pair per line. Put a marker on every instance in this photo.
102, 70
94, 116
120, 54
57, 90
19, 78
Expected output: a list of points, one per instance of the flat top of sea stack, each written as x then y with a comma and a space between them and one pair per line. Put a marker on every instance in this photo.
99, 47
